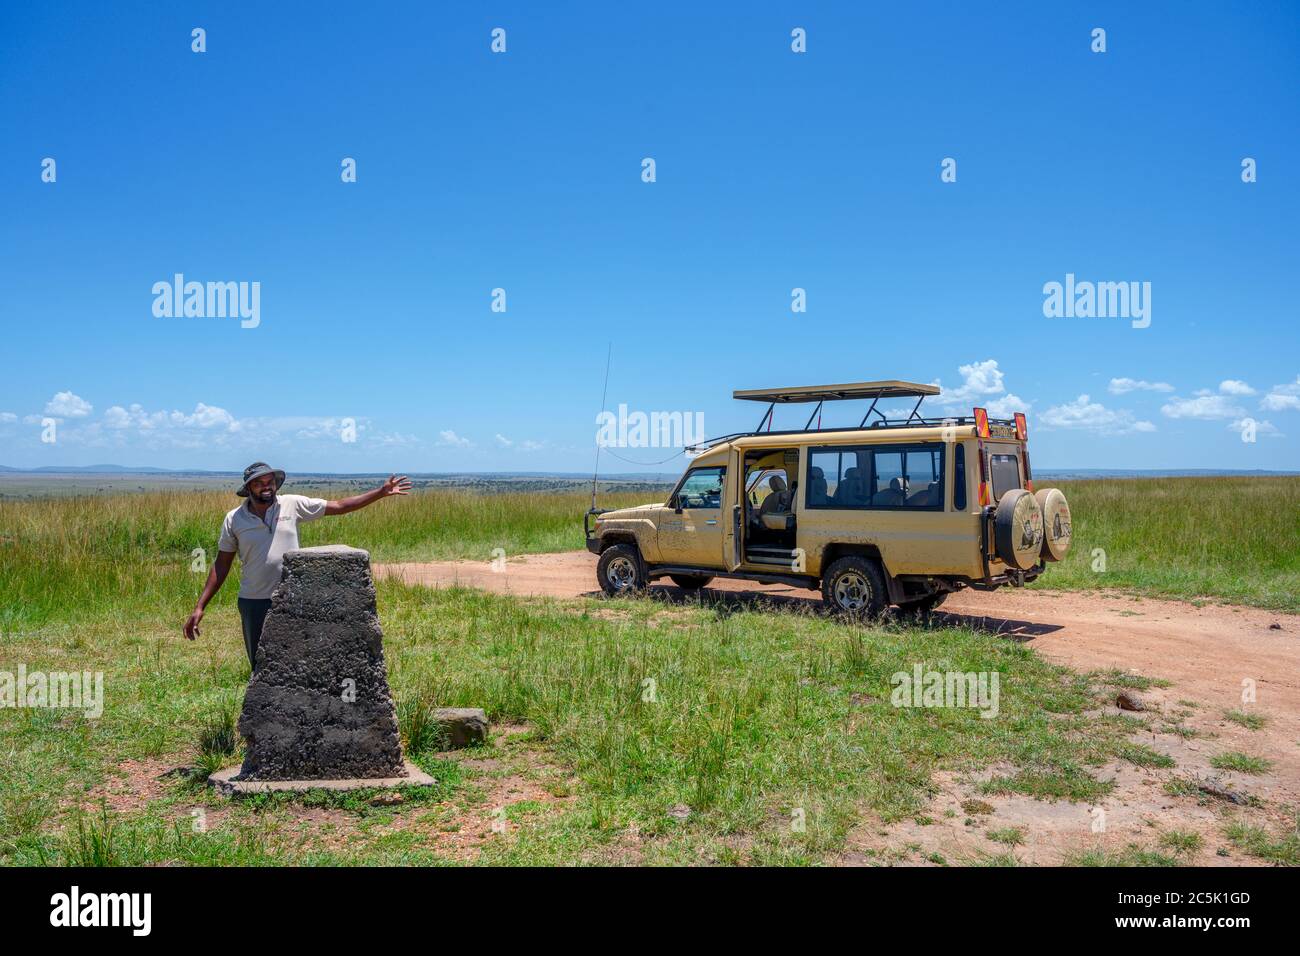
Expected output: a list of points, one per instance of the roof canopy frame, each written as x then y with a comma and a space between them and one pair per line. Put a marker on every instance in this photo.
892, 388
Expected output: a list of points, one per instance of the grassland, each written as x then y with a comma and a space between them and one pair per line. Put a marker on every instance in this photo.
1231, 539
628, 731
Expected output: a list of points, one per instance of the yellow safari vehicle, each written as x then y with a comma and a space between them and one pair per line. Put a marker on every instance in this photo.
893, 511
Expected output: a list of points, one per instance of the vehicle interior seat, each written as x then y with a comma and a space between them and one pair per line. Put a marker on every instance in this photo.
778, 498
926, 496
817, 487
891, 496
851, 490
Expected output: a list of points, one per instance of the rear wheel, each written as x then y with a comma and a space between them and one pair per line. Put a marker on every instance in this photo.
619, 570
855, 586
690, 582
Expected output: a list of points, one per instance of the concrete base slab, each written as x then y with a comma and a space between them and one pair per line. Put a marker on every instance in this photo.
225, 783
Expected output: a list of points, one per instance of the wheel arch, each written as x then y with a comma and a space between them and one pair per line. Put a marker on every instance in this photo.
607, 541
836, 550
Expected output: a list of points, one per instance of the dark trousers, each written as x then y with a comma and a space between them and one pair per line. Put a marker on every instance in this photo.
252, 612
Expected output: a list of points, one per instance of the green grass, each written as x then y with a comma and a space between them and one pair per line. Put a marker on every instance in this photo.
761, 716
1182, 841
1236, 539
1247, 720
1011, 836
755, 717
1258, 842
1240, 762
1131, 854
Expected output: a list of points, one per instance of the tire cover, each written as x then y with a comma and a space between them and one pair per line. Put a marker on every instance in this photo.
1018, 529
1056, 523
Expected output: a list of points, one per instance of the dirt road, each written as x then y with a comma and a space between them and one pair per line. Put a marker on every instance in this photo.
1208, 654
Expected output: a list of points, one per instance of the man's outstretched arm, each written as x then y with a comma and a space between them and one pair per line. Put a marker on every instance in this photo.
395, 485
216, 577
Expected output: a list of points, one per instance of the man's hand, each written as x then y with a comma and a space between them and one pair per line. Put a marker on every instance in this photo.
191, 628
396, 485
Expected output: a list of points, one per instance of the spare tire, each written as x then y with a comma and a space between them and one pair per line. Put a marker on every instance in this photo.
1056, 523
1018, 529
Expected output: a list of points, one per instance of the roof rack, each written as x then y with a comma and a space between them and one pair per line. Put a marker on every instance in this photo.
821, 394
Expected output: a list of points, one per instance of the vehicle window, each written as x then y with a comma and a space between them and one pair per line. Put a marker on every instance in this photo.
1006, 474
923, 478
701, 488
959, 479
887, 490
883, 477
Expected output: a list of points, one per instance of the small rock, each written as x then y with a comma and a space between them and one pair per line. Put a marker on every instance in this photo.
462, 726
679, 811
1275, 627
386, 799
1127, 700
1215, 789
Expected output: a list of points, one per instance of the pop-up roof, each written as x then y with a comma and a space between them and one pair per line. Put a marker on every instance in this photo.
834, 393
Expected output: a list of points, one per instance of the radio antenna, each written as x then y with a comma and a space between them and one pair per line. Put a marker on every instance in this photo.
603, 394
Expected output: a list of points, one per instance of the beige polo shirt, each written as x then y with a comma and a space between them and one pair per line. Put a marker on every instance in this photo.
262, 543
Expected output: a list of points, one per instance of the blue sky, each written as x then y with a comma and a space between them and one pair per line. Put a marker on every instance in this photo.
522, 171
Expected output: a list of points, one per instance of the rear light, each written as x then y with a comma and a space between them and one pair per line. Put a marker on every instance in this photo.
1022, 427
1029, 475
982, 423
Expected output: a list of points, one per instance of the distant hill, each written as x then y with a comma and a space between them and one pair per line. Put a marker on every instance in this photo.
90, 470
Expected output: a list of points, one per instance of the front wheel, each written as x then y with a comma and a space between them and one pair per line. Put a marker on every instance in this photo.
619, 570
856, 587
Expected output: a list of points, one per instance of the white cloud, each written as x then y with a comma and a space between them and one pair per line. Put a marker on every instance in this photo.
68, 405
1205, 406
1233, 386
1282, 398
449, 437
203, 418
1007, 405
526, 445
1122, 386
979, 379
1084, 413
7, 417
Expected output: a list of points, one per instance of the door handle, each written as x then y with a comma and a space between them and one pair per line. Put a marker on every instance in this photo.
712, 521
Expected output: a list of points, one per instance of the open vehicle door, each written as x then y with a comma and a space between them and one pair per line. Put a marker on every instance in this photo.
733, 512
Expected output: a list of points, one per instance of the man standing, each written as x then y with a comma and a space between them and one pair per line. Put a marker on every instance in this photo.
261, 530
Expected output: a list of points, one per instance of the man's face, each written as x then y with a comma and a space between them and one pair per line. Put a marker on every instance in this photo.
262, 490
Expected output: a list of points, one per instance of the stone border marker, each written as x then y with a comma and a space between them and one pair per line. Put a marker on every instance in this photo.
318, 713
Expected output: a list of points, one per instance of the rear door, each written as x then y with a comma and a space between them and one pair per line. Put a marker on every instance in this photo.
1005, 468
